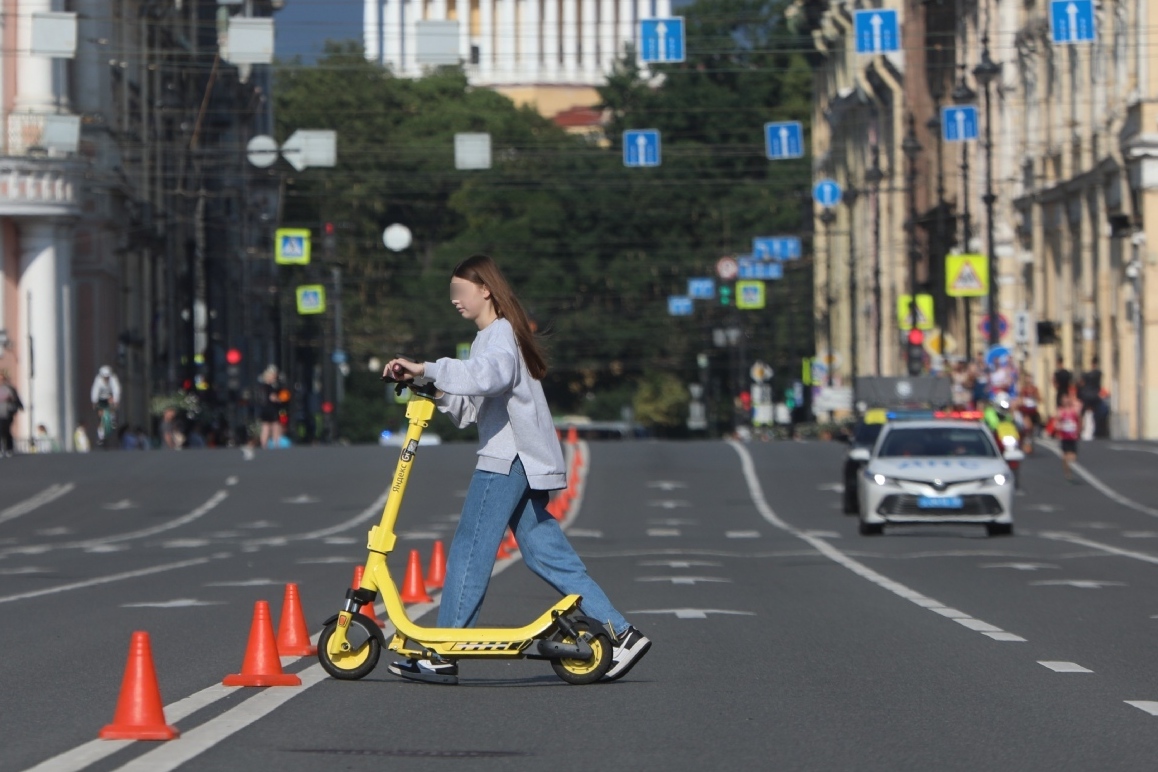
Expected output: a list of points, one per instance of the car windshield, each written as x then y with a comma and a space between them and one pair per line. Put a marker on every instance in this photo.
866, 434
936, 442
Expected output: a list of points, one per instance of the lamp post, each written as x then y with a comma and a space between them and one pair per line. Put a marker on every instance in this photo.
873, 177
963, 95
986, 72
912, 148
850, 197
827, 217
934, 127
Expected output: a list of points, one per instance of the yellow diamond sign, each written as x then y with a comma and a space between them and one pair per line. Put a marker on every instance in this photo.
966, 276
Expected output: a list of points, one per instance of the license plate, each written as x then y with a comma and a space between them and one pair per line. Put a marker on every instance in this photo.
940, 502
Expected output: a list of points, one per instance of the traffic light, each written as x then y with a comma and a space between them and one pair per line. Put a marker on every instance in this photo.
725, 294
329, 238
233, 369
915, 352
1046, 333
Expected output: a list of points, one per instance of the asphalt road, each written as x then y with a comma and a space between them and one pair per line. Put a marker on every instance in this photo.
782, 639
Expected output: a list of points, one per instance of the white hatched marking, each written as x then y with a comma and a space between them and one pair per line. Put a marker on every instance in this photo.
1063, 667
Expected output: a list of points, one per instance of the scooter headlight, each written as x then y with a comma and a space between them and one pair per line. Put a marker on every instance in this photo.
1009, 441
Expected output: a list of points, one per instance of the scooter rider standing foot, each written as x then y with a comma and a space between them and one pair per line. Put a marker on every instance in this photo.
520, 461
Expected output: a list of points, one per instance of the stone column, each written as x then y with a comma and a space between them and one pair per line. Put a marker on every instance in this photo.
507, 43
437, 10
588, 34
371, 31
34, 91
392, 35
570, 40
411, 14
551, 40
486, 41
607, 49
45, 277
529, 47
626, 25
462, 15
662, 9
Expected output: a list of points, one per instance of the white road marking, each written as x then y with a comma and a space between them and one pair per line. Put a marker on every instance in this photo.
679, 563
1020, 566
1064, 667
1139, 534
49, 494
175, 603
301, 499
104, 580
98, 549
666, 485
1042, 507
247, 583
231, 480
682, 579
742, 534
331, 559
672, 521
1075, 539
119, 505
1149, 706
834, 554
1094, 526
663, 532
669, 503
339, 540
585, 533
175, 752
61, 531
225, 534
1081, 584
184, 543
1104, 489
824, 534
831, 487
25, 570
692, 613
246, 453
418, 535
258, 524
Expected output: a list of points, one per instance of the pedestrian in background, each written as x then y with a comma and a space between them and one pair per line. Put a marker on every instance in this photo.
1068, 428
10, 405
1063, 381
80, 441
269, 408
1090, 394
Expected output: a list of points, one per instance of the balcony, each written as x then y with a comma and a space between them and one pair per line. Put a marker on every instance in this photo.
37, 188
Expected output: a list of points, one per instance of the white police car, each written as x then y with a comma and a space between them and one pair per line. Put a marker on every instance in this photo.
938, 471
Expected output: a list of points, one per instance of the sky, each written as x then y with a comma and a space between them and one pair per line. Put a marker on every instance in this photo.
303, 26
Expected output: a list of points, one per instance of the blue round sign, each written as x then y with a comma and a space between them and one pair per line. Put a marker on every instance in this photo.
827, 193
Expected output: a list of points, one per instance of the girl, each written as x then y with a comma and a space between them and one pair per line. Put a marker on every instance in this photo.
520, 460
269, 408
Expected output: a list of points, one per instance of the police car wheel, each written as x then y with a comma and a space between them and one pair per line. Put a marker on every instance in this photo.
871, 529
999, 529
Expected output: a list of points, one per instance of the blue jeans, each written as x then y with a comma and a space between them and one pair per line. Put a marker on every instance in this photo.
493, 502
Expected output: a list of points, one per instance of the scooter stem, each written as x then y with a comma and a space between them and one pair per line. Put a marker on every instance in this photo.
419, 411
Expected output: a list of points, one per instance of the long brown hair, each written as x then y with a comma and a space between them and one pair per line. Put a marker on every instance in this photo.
482, 270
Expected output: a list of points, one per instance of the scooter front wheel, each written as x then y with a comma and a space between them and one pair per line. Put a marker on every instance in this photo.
348, 665
584, 671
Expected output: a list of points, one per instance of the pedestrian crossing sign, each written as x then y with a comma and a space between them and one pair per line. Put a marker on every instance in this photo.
749, 295
311, 299
966, 276
292, 246
924, 312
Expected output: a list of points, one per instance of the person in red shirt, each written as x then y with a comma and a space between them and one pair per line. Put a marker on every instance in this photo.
1068, 428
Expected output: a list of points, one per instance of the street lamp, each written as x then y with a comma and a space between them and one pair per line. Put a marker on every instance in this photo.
873, 177
827, 217
986, 72
850, 197
912, 148
963, 95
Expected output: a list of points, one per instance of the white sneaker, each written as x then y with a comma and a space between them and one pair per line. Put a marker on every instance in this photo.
630, 648
431, 671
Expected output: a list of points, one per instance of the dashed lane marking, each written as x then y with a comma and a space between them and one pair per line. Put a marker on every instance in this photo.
117, 506
669, 503
1020, 566
1149, 706
175, 603
585, 533
666, 485
682, 579
49, 494
1064, 667
1139, 534
231, 480
742, 534
247, 583
672, 521
663, 532
1081, 584
858, 568
679, 563
693, 613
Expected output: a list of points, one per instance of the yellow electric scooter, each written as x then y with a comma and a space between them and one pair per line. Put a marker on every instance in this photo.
578, 646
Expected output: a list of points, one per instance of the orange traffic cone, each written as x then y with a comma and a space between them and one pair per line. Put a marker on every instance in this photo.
140, 715
507, 546
414, 591
436, 576
572, 435
293, 637
261, 667
367, 610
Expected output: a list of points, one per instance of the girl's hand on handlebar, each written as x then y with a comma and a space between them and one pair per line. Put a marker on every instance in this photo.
403, 370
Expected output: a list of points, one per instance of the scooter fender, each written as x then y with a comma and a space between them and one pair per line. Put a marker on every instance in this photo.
360, 630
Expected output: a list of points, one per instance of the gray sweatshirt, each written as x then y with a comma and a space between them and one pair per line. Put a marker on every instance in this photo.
495, 389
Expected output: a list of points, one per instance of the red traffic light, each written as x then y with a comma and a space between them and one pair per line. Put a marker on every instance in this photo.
327, 407
916, 337
328, 228
233, 356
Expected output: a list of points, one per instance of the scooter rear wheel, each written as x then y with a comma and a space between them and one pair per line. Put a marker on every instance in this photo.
348, 665
584, 671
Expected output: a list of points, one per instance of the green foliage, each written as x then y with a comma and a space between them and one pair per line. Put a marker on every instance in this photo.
593, 248
661, 402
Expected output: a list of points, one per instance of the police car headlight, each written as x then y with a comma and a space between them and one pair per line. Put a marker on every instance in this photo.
1000, 479
997, 479
880, 479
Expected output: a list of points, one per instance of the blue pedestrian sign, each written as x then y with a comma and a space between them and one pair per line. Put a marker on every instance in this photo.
827, 193
878, 31
776, 248
760, 269
641, 147
959, 124
661, 40
679, 305
1072, 21
702, 289
783, 140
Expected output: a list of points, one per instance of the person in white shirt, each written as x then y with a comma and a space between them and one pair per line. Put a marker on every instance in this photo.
106, 395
